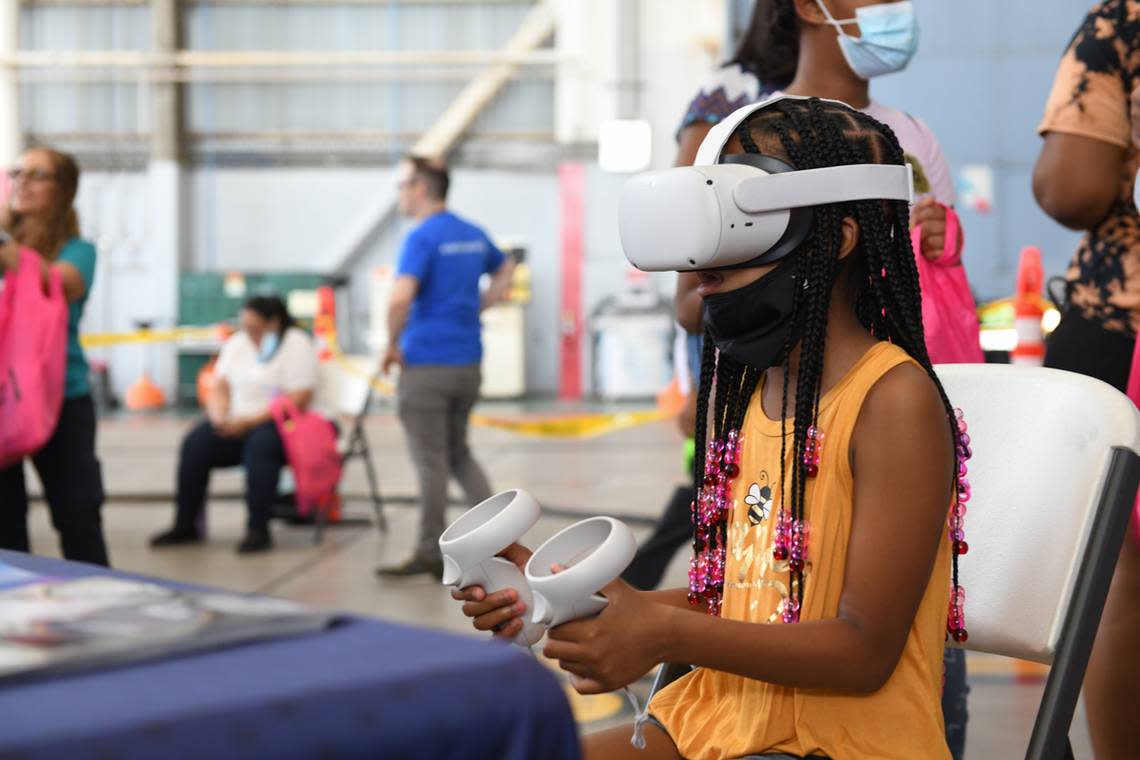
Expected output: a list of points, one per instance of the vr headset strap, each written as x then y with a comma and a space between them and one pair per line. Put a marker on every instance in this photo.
816, 187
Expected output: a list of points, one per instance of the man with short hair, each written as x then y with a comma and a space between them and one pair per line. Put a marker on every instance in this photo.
434, 335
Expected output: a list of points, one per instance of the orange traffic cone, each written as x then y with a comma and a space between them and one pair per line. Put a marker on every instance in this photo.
1028, 309
671, 401
144, 395
324, 323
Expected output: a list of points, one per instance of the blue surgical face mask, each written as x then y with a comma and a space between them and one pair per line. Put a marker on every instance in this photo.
268, 346
889, 41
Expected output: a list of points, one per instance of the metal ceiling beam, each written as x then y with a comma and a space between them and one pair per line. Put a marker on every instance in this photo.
536, 28
223, 59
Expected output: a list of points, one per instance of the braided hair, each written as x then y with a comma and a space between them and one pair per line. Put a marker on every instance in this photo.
770, 49
815, 134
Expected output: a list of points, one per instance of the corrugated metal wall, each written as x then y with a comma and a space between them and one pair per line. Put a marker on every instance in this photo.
297, 114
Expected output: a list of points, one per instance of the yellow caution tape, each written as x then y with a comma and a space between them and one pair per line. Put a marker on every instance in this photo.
102, 340
577, 426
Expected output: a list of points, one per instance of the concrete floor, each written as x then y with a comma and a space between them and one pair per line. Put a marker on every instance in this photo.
628, 474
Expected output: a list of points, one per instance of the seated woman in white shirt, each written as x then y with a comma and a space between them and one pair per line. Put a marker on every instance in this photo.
267, 357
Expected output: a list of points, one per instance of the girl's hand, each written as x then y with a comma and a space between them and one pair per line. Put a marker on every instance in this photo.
616, 647
931, 215
500, 612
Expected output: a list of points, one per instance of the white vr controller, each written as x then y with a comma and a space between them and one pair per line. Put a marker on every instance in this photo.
590, 553
470, 548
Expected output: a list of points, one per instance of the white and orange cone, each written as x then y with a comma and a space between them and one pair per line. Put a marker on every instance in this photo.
1028, 309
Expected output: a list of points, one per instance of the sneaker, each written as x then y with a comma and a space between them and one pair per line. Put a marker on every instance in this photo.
414, 566
176, 537
255, 543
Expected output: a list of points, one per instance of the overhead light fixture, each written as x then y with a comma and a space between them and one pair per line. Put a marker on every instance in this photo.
625, 146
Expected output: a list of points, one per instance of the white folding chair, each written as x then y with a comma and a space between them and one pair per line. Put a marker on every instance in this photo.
349, 394
1054, 475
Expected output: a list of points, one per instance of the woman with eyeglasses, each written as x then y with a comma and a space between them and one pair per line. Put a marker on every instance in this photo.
40, 215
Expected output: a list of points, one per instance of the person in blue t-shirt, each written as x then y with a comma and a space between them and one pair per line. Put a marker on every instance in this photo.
40, 215
434, 336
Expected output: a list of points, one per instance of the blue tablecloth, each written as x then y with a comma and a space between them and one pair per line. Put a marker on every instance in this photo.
361, 689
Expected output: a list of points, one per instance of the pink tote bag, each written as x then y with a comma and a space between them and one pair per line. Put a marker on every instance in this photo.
309, 441
33, 359
949, 315
1134, 394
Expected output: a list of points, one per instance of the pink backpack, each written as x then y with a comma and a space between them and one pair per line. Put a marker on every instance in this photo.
310, 449
33, 359
949, 316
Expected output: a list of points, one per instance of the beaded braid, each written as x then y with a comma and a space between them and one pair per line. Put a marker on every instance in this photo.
888, 303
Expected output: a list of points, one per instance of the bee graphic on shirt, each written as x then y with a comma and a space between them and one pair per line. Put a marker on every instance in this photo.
759, 500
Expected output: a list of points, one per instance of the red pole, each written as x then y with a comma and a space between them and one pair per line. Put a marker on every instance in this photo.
571, 187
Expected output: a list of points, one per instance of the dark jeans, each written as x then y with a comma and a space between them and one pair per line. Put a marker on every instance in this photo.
259, 452
1081, 346
675, 530
72, 486
434, 404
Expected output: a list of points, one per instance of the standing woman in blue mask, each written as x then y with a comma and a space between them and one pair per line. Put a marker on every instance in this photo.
269, 356
833, 49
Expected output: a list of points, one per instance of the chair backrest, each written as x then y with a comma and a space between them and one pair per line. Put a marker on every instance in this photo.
1042, 440
342, 390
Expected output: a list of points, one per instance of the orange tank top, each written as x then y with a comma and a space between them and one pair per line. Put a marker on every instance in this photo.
712, 714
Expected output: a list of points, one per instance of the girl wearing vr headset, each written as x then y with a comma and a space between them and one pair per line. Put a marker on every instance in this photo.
803, 47
824, 576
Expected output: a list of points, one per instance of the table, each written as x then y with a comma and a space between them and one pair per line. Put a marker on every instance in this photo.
364, 688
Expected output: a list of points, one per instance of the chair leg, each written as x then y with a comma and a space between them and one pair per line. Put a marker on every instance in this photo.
319, 523
1050, 737
373, 486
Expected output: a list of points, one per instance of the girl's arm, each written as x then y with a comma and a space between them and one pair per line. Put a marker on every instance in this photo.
902, 456
677, 598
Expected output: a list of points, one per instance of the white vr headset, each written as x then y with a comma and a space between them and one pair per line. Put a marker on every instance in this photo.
739, 210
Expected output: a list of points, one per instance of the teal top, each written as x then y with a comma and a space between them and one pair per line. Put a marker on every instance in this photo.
81, 255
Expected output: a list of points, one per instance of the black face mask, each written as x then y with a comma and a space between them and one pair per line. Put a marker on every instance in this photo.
751, 324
